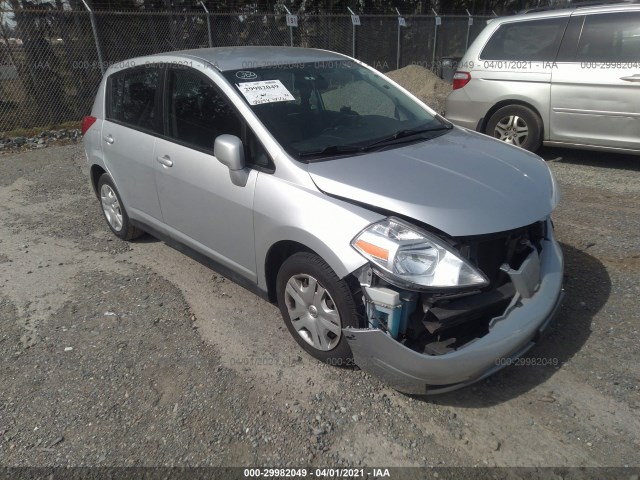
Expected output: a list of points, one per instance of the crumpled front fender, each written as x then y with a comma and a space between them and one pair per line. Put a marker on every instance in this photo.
509, 337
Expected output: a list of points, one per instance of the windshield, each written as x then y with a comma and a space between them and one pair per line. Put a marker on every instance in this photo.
330, 108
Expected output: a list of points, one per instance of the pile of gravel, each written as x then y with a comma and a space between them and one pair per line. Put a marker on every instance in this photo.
357, 93
41, 140
424, 84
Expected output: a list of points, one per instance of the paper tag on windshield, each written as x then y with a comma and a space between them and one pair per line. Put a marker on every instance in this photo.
266, 91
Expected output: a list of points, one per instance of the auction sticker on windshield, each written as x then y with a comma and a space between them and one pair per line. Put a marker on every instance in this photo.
265, 91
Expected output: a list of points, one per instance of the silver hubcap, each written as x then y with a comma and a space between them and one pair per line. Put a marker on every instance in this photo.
512, 129
111, 207
312, 312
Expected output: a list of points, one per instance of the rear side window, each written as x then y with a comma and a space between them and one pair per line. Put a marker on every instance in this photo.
534, 40
611, 37
132, 98
196, 112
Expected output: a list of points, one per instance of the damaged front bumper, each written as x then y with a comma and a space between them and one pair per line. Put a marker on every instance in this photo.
510, 336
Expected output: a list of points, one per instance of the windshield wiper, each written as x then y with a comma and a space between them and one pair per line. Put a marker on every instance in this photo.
400, 134
404, 134
332, 149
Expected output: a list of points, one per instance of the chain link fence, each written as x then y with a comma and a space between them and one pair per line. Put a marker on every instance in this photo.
51, 61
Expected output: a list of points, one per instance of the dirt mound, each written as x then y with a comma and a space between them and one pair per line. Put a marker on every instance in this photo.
424, 84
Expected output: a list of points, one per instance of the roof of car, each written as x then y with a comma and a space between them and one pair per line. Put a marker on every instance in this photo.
578, 8
235, 58
580, 4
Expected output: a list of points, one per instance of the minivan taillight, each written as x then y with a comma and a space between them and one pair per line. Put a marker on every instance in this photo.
460, 79
86, 123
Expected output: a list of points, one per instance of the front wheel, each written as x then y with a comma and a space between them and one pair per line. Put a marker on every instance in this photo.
517, 125
316, 305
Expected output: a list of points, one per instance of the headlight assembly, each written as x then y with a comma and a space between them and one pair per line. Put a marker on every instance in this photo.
410, 258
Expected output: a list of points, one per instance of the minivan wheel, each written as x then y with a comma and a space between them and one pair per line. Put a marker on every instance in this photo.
114, 212
517, 125
316, 305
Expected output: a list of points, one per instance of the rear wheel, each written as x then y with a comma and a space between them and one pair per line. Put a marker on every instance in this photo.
114, 212
316, 305
517, 125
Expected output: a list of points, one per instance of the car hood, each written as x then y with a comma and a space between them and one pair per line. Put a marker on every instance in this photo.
462, 183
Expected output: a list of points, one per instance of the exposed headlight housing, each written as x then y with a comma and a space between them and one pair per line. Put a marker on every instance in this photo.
411, 258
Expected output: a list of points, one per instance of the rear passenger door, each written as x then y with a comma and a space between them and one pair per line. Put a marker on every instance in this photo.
200, 204
595, 91
132, 122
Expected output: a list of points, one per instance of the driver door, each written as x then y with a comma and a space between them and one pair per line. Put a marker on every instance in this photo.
199, 203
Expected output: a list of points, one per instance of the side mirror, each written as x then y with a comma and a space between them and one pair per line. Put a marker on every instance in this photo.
229, 151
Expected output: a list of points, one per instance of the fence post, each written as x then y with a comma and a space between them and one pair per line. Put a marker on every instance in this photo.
96, 39
401, 23
353, 40
355, 20
469, 23
208, 22
290, 26
438, 20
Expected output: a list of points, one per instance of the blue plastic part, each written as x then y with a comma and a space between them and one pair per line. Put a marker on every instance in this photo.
394, 322
409, 302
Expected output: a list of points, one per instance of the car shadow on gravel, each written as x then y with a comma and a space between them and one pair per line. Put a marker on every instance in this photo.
587, 285
147, 238
617, 161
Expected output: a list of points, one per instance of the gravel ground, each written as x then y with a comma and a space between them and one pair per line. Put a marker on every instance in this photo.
124, 354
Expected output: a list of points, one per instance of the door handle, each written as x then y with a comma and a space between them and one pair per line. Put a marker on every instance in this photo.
165, 161
109, 139
631, 78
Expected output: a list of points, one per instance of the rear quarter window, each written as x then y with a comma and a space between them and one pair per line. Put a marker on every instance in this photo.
131, 98
534, 40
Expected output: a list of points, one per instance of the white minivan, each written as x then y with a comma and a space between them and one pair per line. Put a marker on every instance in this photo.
565, 78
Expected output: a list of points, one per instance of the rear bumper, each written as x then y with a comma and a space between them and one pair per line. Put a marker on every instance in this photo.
510, 336
463, 111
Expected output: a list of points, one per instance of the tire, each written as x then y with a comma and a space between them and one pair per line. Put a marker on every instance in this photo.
332, 300
113, 210
527, 125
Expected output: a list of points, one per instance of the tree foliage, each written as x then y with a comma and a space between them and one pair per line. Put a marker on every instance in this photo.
388, 7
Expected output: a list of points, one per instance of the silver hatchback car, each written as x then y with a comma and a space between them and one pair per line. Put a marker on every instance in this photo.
564, 78
389, 238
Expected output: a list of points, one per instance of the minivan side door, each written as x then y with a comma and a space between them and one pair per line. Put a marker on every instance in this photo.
132, 121
200, 204
595, 88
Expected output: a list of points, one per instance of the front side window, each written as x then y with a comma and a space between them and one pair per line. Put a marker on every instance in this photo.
534, 40
613, 37
332, 107
132, 97
196, 113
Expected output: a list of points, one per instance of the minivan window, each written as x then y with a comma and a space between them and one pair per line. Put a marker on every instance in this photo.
196, 112
612, 37
533, 40
132, 97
